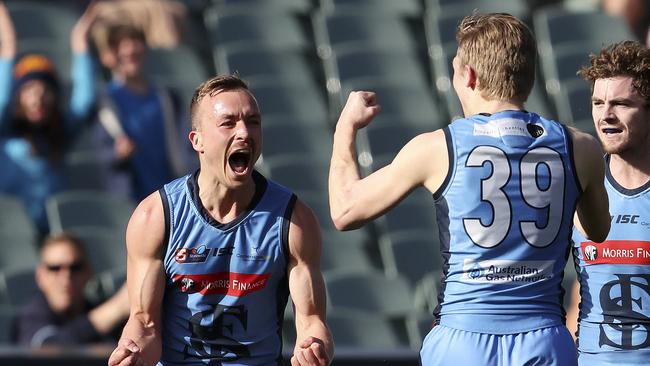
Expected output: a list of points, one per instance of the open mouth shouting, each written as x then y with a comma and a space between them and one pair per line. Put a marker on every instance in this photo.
240, 161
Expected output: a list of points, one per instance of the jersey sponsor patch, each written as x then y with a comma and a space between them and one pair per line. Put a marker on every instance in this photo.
506, 127
192, 255
616, 252
507, 271
223, 283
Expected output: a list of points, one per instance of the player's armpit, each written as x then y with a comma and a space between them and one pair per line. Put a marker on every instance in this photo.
307, 287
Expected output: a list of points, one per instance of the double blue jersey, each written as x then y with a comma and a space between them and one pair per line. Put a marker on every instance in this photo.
615, 280
505, 218
227, 286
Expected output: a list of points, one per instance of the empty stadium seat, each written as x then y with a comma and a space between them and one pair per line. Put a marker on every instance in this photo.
411, 8
257, 24
283, 97
287, 135
363, 330
250, 61
300, 173
105, 247
73, 209
370, 292
418, 325
7, 314
17, 287
415, 212
14, 220
410, 254
18, 252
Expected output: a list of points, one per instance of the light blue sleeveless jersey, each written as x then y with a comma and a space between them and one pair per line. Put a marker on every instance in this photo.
226, 286
615, 281
505, 219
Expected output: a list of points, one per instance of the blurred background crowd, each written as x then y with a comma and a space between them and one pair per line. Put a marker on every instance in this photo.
94, 100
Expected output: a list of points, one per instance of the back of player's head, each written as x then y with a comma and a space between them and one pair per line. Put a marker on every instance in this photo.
212, 87
627, 58
502, 51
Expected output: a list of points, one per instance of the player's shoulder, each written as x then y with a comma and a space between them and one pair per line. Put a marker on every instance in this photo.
148, 212
583, 142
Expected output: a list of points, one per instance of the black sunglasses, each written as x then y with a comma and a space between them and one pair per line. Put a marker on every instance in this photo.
74, 267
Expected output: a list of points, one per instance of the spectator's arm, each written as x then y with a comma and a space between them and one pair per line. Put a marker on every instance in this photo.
7, 55
84, 95
105, 317
7, 34
314, 344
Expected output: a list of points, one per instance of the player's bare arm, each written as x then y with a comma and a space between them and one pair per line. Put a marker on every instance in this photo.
314, 345
592, 212
140, 343
354, 201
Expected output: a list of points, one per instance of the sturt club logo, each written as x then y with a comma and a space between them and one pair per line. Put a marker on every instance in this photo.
192, 255
591, 252
625, 301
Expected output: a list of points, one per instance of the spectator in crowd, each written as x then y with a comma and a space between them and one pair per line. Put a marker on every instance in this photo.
59, 313
142, 120
162, 21
35, 125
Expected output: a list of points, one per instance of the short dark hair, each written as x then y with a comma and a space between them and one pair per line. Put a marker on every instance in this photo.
118, 32
212, 87
627, 58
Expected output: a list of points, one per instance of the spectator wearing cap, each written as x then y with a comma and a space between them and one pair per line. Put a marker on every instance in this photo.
35, 125
59, 314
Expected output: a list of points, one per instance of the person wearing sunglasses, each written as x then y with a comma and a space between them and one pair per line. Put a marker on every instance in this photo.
60, 314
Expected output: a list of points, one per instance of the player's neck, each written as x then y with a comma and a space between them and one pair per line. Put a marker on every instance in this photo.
480, 105
222, 202
630, 170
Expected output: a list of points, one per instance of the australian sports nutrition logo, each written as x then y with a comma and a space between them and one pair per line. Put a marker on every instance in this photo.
223, 283
616, 252
506, 271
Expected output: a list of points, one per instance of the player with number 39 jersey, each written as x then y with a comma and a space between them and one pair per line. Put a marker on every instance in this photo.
505, 221
506, 185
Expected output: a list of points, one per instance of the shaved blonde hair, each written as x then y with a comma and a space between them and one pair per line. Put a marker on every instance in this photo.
212, 87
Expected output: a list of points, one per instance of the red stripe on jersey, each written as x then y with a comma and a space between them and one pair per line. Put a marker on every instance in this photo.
224, 283
616, 252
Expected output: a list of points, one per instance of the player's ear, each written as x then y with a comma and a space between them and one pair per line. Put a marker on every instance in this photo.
196, 139
470, 76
